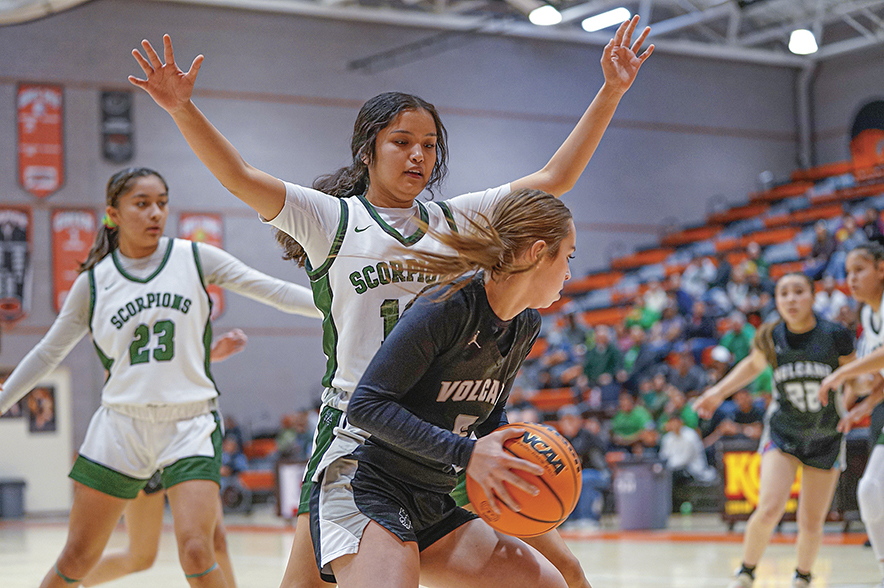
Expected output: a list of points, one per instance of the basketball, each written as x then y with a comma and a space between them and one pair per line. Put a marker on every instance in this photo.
559, 485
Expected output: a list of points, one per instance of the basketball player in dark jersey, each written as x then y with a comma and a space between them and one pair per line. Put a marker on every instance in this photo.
383, 514
798, 429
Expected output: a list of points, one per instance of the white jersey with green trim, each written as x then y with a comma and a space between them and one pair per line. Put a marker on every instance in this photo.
153, 335
873, 331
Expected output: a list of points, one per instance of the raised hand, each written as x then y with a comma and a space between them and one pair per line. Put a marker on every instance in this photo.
620, 59
230, 343
492, 467
170, 87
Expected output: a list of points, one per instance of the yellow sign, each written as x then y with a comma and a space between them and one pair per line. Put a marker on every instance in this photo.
742, 472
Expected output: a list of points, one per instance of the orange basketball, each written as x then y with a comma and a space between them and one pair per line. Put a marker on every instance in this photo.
559, 485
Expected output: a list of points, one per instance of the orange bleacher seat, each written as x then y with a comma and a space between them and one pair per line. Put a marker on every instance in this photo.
552, 399
808, 215
769, 236
606, 316
691, 235
741, 212
640, 258
258, 448
782, 192
854, 193
822, 172
779, 270
592, 282
257, 479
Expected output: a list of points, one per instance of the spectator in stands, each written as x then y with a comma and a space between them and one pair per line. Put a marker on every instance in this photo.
602, 359
682, 450
738, 337
526, 414
738, 290
700, 329
756, 261
233, 460
294, 440
739, 418
560, 365
671, 323
655, 298
872, 225
760, 297
232, 429
591, 450
683, 300
829, 300
848, 236
641, 316
640, 360
824, 246
575, 330
653, 394
723, 270
696, 277
678, 402
632, 427
686, 375
720, 361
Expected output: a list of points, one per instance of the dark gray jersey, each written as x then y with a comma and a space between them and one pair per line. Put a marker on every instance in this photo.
443, 373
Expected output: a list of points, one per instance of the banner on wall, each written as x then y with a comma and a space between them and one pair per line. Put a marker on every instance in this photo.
742, 472
205, 228
116, 126
40, 138
15, 262
73, 232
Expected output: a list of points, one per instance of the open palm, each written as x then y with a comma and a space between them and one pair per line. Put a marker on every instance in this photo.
620, 59
170, 87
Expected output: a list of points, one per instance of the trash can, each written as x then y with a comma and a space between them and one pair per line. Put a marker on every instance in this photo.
12, 498
643, 494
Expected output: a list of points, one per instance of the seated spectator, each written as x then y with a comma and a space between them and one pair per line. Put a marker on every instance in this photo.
682, 450
671, 322
683, 300
872, 225
632, 427
738, 418
233, 460
720, 361
294, 440
738, 338
829, 300
591, 450
560, 364
602, 359
653, 394
574, 330
760, 297
678, 402
824, 246
756, 262
700, 329
847, 236
655, 298
232, 429
696, 277
723, 271
686, 375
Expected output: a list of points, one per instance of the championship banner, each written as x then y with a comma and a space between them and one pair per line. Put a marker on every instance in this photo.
116, 126
205, 228
742, 470
73, 232
40, 138
15, 263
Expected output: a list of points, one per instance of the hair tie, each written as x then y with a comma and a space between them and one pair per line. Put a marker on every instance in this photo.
107, 222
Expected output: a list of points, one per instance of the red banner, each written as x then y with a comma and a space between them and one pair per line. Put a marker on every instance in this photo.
205, 228
73, 232
40, 138
15, 262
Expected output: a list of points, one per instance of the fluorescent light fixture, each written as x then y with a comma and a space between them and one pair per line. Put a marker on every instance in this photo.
545, 16
802, 42
606, 19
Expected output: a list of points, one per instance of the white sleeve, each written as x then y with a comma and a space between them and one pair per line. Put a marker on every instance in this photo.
311, 218
469, 205
67, 330
223, 269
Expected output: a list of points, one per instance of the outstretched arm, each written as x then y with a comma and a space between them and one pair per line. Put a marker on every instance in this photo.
873, 362
620, 64
743, 374
171, 88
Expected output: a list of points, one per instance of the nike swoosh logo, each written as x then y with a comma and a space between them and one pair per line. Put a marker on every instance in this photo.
358, 230
108, 287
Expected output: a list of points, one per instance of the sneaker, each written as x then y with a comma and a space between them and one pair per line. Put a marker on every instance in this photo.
800, 582
741, 580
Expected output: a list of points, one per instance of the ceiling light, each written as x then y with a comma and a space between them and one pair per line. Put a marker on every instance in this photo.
802, 42
606, 19
545, 16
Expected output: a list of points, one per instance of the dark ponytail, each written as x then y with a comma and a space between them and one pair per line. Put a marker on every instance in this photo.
352, 180
106, 240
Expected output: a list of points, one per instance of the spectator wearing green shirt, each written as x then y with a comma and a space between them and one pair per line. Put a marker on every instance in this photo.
738, 339
632, 427
602, 359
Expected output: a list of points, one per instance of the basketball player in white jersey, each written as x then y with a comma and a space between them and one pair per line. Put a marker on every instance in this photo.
143, 299
344, 229
865, 278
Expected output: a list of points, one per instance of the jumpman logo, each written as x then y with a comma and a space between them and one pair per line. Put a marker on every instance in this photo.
474, 341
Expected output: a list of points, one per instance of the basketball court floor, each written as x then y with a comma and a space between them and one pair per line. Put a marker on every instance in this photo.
695, 551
